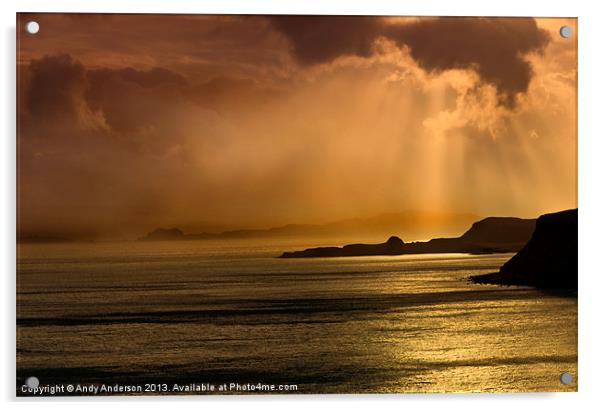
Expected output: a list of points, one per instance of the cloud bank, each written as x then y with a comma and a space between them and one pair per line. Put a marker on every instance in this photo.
494, 48
258, 121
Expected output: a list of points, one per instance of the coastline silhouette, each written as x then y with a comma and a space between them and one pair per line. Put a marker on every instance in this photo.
489, 235
548, 260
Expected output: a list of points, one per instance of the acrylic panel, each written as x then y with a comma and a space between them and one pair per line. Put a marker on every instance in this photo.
246, 204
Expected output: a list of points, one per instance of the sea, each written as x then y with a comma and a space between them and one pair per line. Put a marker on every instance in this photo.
232, 316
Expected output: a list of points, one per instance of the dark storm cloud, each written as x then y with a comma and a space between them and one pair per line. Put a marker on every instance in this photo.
320, 39
62, 89
53, 83
130, 98
493, 47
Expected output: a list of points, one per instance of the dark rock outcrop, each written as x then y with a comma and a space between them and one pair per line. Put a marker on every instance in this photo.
393, 246
548, 260
489, 235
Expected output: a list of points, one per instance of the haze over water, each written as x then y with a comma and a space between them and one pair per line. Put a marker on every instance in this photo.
221, 312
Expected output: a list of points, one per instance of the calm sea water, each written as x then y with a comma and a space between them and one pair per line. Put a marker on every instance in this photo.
217, 312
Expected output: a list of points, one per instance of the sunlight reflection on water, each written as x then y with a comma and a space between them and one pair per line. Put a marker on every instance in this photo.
213, 312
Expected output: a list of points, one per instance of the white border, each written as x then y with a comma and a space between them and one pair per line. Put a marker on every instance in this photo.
590, 204
552, 8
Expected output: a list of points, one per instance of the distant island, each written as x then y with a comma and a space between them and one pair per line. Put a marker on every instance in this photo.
413, 223
548, 260
490, 235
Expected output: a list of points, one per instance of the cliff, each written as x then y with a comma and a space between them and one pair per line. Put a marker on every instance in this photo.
548, 260
500, 230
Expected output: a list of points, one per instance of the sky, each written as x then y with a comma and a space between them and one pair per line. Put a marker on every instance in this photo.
127, 123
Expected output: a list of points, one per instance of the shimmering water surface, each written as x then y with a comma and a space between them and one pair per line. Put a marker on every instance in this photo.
217, 312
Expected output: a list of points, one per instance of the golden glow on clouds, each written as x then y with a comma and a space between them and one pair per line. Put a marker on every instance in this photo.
150, 121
